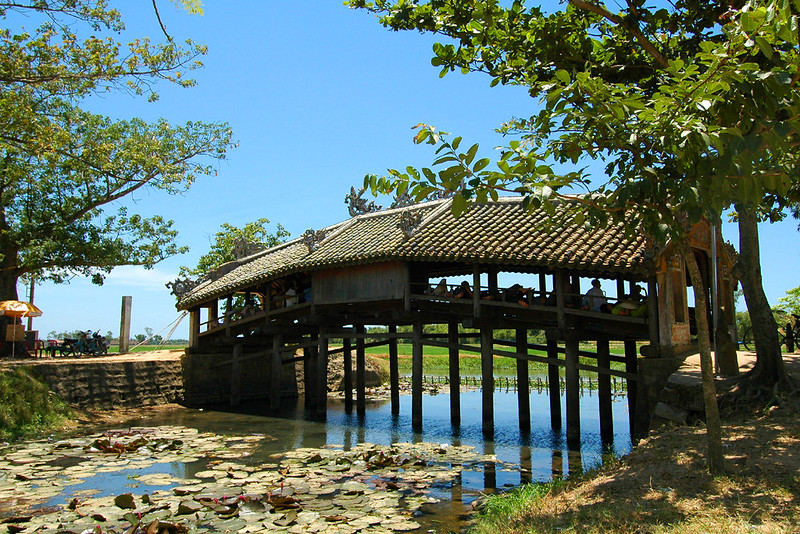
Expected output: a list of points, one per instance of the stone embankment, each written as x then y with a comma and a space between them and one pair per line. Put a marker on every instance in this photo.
126, 381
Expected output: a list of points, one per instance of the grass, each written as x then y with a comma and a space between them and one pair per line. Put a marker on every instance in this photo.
27, 406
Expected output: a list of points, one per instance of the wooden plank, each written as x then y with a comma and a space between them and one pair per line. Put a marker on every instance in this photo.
631, 366
236, 375
487, 383
416, 379
573, 393
455, 374
347, 363
322, 376
394, 373
554, 385
523, 385
604, 395
361, 374
275, 375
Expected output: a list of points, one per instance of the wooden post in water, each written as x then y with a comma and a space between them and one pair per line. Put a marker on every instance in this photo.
487, 382
525, 465
394, 371
573, 393
236, 374
322, 375
361, 373
309, 378
631, 367
523, 388
604, 394
455, 374
347, 363
416, 378
275, 374
553, 384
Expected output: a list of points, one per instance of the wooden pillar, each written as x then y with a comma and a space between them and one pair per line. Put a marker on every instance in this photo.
572, 394
416, 378
275, 374
236, 374
489, 468
487, 382
394, 371
554, 384
525, 465
322, 375
455, 374
492, 280
194, 330
620, 288
310, 379
632, 368
347, 363
652, 318
561, 288
213, 314
543, 286
604, 394
361, 373
476, 291
523, 385
228, 315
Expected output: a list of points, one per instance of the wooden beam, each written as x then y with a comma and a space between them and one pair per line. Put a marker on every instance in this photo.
455, 374
309, 378
236, 375
416, 379
394, 372
322, 376
476, 291
347, 363
554, 384
573, 394
631, 367
361, 374
487, 383
523, 384
604, 396
275, 374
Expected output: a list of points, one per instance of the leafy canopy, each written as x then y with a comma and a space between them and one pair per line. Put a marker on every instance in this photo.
61, 165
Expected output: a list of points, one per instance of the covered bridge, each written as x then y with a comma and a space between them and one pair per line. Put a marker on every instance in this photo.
283, 305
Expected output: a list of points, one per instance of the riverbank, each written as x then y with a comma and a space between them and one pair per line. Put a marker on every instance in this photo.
664, 486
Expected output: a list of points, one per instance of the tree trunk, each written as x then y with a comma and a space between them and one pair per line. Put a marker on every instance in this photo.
768, 370
716, 458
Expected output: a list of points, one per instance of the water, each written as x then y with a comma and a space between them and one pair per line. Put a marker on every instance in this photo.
538, 455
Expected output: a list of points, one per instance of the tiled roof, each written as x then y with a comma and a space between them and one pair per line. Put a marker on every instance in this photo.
500, 233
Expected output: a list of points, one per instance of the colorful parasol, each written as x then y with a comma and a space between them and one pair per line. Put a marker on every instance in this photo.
18, 308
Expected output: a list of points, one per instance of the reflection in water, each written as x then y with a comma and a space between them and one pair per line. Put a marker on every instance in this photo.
530, 457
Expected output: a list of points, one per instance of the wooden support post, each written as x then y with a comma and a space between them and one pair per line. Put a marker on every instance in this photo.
416, 378
361, 373
347, 363
525, 465
604, 394
487, 379
275, 374
213, 314
309, 379
394, 372
561, 288
631, 366
455, 374
236, 375
322, 376
652, 317
554, 384
523, 387
489, 468
543, 285
476, 291
194, 329
621, 288
573, 393
228, 315
125, 326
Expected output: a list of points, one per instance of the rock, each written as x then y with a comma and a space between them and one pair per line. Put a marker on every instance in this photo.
671, 413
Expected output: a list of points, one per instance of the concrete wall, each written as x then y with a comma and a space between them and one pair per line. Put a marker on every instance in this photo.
107, 385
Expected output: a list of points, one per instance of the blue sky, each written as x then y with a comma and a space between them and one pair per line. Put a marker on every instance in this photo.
317, 95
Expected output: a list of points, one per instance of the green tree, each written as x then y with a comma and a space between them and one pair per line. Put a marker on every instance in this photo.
61, 165
693, 106
230, 242
791, 302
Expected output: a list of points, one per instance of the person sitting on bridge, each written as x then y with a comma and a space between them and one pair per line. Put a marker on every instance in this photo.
463, 291
441, 289
595, 298
517, 294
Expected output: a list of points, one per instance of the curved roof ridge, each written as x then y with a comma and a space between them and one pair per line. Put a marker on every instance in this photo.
390, 211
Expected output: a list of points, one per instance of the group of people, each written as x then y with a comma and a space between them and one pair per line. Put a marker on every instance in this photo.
595, 299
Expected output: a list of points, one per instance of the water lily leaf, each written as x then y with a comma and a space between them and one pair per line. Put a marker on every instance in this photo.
188, 507
125, 501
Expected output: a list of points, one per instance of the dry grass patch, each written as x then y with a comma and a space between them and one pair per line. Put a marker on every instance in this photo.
663, 486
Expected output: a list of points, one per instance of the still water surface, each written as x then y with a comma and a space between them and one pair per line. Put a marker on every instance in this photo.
538, 455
